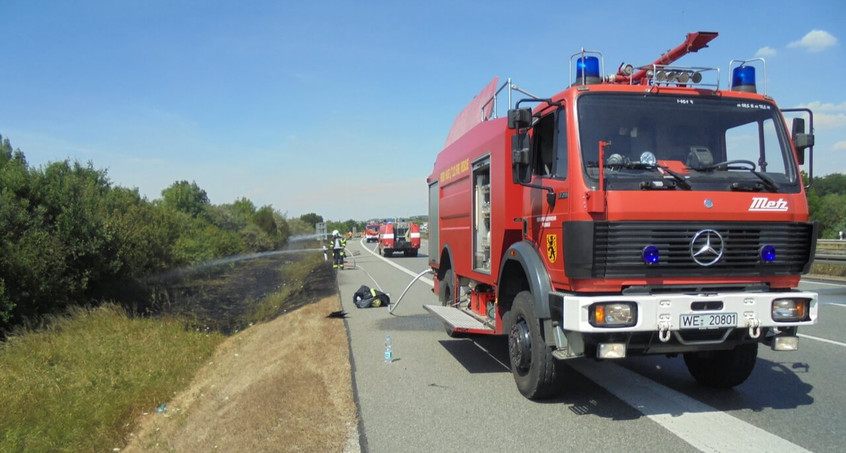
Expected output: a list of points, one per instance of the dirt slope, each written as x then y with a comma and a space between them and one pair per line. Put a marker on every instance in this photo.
279, 386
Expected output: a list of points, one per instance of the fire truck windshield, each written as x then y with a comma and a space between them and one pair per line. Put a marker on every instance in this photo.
692, 143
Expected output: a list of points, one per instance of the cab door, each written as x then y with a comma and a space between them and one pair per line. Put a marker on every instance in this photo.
549, 198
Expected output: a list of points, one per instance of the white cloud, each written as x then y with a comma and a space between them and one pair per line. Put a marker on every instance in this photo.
766, 51
825, 107
839, 146
827, 116
815, 41
823, 121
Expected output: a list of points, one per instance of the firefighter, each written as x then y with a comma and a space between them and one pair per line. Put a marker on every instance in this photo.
338, 245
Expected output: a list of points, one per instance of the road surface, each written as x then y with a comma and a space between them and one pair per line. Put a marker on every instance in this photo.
444, 394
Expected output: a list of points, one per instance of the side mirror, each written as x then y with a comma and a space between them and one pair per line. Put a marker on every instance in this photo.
521, 157
519, 118
801, 140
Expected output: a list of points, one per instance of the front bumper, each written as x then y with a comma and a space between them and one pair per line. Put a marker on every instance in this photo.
660, 317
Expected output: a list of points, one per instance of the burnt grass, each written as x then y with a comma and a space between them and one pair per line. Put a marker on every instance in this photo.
220, 295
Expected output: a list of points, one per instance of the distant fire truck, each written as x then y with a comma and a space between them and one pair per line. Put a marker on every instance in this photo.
645, 212
399, 236
371, 232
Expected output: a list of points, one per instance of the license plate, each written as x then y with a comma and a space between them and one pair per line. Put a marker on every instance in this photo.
708, 320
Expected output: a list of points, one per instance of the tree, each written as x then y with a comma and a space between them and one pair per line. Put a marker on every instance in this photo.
264, 219
834, 183
311, 219
831, 215
185, 197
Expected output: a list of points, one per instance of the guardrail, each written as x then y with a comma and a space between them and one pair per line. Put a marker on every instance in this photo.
831, 251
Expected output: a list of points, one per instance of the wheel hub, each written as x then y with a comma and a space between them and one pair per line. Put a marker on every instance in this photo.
520, 344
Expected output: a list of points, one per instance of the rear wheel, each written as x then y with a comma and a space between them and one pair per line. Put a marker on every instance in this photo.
447, 295
722, 369
535, 371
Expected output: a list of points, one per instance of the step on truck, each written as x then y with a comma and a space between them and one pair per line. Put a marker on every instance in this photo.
650, 211
399, 236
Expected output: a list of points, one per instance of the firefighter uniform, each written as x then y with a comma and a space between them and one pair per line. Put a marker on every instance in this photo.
338, 245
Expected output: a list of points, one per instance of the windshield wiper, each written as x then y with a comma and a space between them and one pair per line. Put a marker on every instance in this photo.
680, 180
748, 165
768, 182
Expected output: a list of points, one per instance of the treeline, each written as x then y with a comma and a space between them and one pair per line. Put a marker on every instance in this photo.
68, 236
827, 202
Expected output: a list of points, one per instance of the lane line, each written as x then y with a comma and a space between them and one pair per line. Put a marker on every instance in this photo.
824, 340
815, 282
838, 305
696, 423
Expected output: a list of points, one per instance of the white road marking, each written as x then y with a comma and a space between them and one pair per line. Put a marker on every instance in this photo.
683, 416
839, 305
821, 339
814, 282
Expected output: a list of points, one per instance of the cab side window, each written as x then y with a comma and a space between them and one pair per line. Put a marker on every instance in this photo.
561, 144
543, 143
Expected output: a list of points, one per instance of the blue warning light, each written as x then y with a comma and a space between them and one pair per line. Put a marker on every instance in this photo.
587, 67
650, 254
743, 79
768, 253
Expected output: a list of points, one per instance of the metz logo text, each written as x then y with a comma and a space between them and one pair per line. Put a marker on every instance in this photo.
765, 204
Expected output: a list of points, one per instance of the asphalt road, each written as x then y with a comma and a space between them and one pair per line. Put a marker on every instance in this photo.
442, 394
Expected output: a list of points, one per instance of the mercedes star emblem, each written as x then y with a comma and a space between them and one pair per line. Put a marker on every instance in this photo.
706, 247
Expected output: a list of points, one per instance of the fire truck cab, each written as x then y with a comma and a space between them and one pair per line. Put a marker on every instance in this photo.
645, 212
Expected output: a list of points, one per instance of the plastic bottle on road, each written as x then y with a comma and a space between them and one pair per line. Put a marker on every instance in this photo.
389, 351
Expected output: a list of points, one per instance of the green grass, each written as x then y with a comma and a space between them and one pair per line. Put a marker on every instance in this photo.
836, 270
78, 384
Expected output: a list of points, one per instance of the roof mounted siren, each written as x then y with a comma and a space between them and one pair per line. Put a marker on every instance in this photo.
589, 69
743, 75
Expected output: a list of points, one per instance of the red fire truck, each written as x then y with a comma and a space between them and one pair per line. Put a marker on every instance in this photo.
371, 232
399, 236
646, 212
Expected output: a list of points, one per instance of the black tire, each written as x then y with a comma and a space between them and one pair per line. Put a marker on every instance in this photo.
536, 372
722, 369
412, 252
447, 296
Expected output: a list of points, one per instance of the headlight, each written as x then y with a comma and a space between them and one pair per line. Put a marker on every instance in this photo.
613, 314
786, 310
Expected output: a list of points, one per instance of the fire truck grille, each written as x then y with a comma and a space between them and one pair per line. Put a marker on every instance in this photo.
726, 249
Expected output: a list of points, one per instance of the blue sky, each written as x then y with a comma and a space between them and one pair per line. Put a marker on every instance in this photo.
340, 107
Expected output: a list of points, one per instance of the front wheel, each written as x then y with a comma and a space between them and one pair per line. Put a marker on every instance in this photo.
536, 372
722, 369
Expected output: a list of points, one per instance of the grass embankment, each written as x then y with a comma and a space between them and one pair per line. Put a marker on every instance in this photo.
282, 386
80, 383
